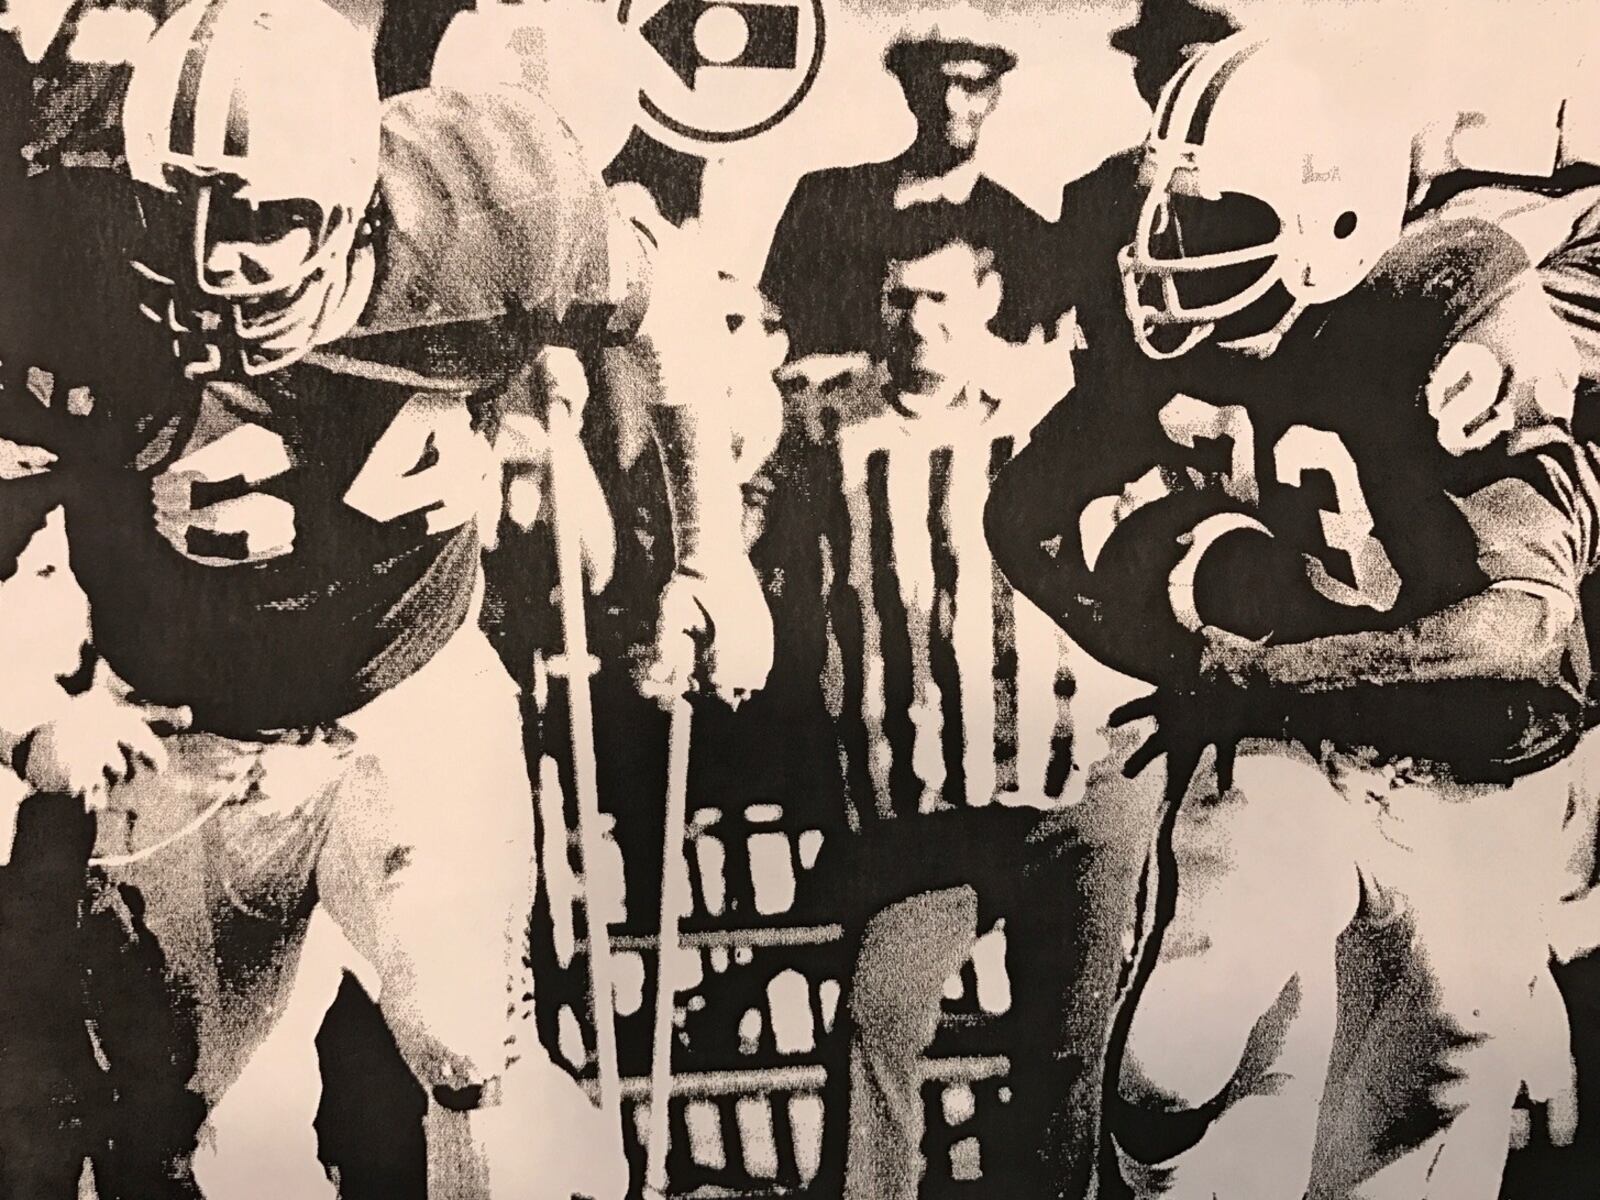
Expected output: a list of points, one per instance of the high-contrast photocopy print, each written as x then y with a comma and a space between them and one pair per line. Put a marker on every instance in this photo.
833, 599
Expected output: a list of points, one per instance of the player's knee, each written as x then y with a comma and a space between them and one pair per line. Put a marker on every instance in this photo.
1290, 837
907, 953
1171, 1066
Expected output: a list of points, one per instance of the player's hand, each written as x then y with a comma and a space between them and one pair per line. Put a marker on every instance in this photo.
96, 740
714, 634
1229, 701
1186, 725
429, 461
1511, 373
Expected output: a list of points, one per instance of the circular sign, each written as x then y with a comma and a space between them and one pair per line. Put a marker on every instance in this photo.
725, 70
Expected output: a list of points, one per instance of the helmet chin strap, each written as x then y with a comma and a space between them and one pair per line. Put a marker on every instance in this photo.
341, 314
342, 305
1263, 345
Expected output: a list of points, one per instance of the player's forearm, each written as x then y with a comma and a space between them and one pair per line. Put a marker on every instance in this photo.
706, 501
1498, 634
1540, 224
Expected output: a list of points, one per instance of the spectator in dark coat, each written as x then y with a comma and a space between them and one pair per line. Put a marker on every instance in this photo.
843, 224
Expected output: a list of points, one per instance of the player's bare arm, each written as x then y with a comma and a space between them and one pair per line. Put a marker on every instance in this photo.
714, 626
1499, 634
68, 726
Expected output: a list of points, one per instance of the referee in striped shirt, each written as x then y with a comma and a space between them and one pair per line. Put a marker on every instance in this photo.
948, 693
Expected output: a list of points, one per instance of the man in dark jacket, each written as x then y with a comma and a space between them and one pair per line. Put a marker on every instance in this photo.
843, 224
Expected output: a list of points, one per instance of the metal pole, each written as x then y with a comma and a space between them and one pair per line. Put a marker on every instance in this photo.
675, 902
577, 666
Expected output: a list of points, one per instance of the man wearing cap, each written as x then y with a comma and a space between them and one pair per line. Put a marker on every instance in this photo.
842, 224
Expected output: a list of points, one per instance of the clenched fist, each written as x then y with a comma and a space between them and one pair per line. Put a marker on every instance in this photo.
96, 740
715, 632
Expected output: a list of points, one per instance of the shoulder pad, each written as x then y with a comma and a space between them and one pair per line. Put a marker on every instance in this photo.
490, 206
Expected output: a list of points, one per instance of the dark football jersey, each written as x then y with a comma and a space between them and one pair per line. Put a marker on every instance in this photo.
492, 239
1323, 490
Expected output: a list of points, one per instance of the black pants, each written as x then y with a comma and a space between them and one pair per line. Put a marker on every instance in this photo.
909, 885
94, 1064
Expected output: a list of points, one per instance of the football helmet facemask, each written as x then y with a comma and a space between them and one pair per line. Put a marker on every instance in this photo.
1263, 194
252, 132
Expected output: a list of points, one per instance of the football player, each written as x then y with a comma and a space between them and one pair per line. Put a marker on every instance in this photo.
1343, 533
916, 921
277, 509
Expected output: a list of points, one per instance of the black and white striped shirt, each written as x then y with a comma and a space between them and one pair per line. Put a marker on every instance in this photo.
946, 687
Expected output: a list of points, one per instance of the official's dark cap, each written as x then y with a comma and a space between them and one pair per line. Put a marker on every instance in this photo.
978, 62
1167, 26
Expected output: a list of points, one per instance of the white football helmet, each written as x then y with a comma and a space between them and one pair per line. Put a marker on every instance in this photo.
252, 128
1266, 188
